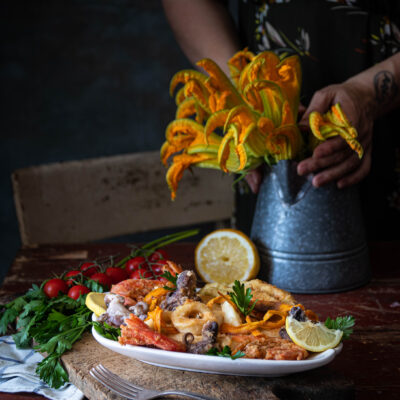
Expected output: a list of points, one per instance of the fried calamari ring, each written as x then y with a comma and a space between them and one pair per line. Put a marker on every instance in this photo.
191, 316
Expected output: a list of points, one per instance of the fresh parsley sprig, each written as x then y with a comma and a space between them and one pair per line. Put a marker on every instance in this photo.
106, 330
226, 352
55, 335
172, 278
242, 298
55, 324
20, 305
93, 286
52, 372
345, 324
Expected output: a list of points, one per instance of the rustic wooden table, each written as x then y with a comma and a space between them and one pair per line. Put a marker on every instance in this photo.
367, 368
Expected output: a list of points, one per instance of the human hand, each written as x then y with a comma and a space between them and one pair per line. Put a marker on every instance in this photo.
334, 160
253, 179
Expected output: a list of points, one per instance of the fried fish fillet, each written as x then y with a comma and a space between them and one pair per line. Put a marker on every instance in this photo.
266, 348
274, 349
265, 293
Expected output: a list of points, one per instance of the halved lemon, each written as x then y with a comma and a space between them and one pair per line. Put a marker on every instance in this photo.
311, 336
226, 255
95, 302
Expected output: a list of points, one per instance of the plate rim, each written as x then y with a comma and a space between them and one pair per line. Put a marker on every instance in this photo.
231, 367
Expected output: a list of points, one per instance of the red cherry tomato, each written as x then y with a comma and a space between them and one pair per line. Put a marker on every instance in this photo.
136, 263
116, 274
89, 268
157, 267
141, 274
101, 278
159, 255
77, 290
53, 287
70, 274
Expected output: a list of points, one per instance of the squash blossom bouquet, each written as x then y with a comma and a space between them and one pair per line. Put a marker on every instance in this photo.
237, 124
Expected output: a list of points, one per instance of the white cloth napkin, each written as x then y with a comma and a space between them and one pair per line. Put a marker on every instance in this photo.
17, 373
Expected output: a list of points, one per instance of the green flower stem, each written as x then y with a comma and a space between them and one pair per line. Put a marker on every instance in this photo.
161, 242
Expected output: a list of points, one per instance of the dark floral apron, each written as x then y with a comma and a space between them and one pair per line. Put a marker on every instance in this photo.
336, 40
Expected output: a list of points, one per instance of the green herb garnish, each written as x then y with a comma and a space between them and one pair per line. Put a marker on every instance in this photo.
171, 278
20, 307
242, 298
106, 330
345, 324
226, 352
56, 334
55, 324
52, 372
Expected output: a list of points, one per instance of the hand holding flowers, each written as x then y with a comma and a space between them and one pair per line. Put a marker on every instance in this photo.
236, 125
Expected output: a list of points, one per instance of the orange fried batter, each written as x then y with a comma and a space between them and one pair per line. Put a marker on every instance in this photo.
134, 290
136, 332
266, 348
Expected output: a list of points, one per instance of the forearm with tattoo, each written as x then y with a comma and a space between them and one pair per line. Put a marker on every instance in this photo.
386, 88
380, 86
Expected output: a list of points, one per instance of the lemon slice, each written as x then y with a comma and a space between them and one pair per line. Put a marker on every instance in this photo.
95, 302
311, 336
226, 255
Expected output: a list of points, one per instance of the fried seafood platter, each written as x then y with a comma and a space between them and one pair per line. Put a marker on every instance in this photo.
244, 320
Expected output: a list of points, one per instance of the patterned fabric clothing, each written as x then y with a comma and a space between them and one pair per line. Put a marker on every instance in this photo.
336, 40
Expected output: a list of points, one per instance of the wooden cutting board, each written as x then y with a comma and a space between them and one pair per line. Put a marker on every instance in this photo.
87, 353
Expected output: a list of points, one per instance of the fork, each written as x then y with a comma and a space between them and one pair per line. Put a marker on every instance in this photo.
133, 392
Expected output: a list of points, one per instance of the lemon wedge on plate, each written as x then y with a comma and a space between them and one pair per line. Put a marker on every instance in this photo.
311, 336
95, 302
226, 255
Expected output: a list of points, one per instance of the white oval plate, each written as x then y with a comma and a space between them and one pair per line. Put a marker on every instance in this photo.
218, 365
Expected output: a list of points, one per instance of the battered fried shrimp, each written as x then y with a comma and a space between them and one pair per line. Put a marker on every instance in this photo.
185, 289
209, 339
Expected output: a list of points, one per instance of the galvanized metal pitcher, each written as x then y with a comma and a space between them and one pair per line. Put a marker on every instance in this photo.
310, 240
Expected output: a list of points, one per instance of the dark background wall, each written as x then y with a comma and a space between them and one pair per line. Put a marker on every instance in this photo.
79, 79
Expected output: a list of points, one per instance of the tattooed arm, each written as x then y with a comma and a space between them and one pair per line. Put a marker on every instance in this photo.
364, 97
